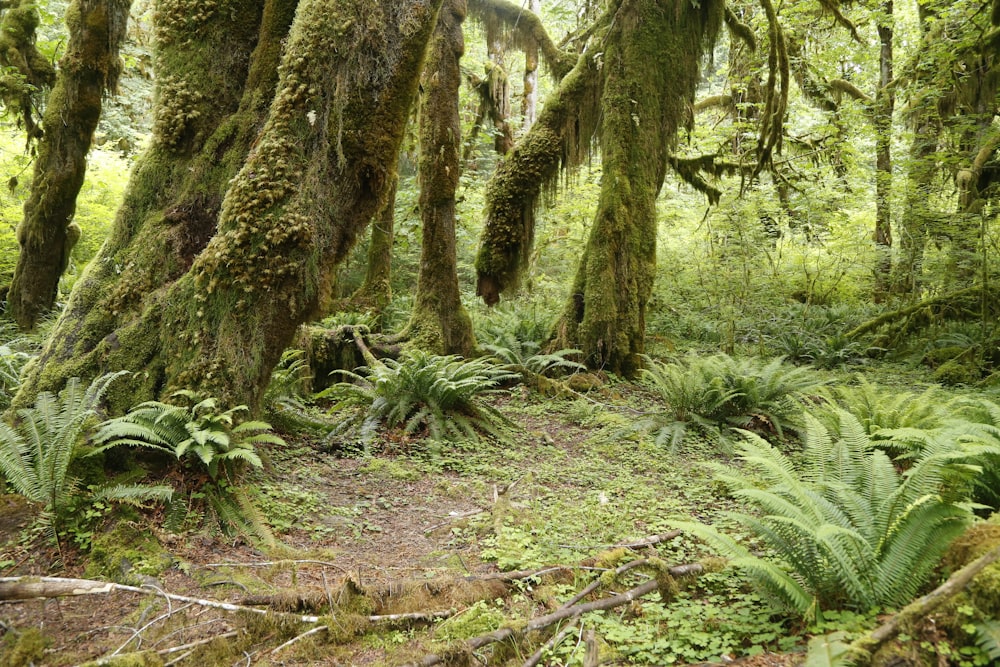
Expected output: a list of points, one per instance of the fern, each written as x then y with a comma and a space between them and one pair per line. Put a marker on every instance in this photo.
222, 443
36, 453
718, 393
845, 525
878, 408
420, 393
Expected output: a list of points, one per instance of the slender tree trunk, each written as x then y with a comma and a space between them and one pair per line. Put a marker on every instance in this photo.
884, 105
217, 320
651, 65
375, 292
87, 73
439, 322
18, 25
530, 100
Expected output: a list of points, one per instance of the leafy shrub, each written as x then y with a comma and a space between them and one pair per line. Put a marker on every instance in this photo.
421, 392
36, 453
718, 392
221, 443
847, 527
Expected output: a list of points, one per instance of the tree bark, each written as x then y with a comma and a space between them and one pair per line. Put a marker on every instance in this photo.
318, 171
375, 292
651, 64
87, 73
559, 139
439, 322
529, 105
18, 51
885, 103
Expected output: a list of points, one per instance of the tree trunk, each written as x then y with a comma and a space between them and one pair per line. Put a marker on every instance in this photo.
375, 292
882, 113
530, 99
439, 322
88, 72
651, 67
217, 320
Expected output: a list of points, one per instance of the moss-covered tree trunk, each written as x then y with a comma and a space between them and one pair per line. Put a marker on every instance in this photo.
207, 275
88, 71
439, 321
529, 98
19, 21
885, 103
651, 64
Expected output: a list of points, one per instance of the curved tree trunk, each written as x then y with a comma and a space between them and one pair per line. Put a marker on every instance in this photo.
439, 322
209, 309
651, 68
88, 72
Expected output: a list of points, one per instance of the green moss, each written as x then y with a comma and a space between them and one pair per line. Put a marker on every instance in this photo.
140, 659
125, 551
23, 649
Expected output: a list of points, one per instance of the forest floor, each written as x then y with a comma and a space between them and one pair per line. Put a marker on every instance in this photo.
420, 527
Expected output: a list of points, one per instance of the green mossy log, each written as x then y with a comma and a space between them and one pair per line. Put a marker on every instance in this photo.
439, 322
88, 72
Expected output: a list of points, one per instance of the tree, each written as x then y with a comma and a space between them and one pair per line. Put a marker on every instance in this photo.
88, 72
642, 90
257, 182
439, 322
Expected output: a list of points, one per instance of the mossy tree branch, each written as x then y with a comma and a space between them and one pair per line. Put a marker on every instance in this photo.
527, 24
559, 139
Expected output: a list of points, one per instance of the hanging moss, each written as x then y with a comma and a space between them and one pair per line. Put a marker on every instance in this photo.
27, 73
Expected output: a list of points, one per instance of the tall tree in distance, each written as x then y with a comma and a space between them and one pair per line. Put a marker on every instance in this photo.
87, 73
529, 100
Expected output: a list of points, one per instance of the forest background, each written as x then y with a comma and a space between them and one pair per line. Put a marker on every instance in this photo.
828, 200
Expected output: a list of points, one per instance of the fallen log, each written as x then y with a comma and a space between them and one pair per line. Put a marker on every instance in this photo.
863, 649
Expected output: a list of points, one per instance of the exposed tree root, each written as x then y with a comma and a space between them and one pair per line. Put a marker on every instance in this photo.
342, 348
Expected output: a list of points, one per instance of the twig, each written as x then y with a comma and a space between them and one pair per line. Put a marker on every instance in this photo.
540, 622
536, 657
200, 642
644, 542
307, 633
596, 583
138, 633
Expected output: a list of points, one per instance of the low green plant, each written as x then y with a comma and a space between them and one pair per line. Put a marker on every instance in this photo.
847, 528
526, 359
421, 393
220, 442
880, 408
37, 452
717, 393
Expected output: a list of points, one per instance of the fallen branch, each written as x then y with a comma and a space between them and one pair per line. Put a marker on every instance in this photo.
541, 622
536, 657
32, 588
863, 649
